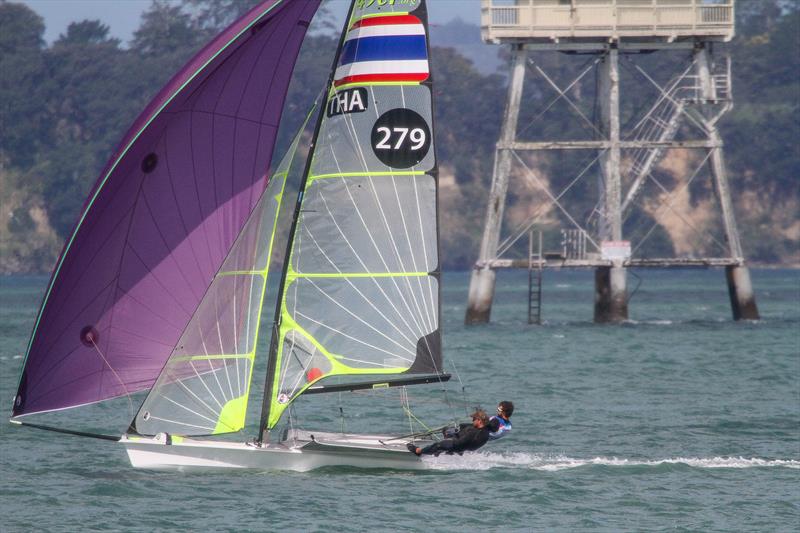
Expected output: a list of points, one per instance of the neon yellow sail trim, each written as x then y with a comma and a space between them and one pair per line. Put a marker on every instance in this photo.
360, 5
362, 275
261, 273
338, 368
249, 356
365, 174
232, 416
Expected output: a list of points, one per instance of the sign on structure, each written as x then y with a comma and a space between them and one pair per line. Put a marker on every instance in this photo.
615, 250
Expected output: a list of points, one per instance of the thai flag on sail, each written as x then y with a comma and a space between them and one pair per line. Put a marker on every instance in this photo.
385, 48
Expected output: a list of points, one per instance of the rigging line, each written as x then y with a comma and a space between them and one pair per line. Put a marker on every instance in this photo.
200, 377
430, 321
370, 326
557, 98
360, 293
404, 403
211, 368
567, 98
555, 201
407, 408
178, 422
383, 261
46, 373
429, 324
525, 226
303, 369
189, 410
366, 269
285, 367
412, 295
66, 431
342, 333
463, 388
370, 363
350, 124
122, 383
196, 397
349, 281
424, 241
411, 313
222, 346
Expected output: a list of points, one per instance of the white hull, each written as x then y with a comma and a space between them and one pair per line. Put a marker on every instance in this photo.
301, 451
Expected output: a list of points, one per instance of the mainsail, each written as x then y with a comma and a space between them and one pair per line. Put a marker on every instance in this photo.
360, 292
162, 217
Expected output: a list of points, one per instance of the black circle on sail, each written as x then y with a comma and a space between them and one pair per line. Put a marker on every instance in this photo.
400, 138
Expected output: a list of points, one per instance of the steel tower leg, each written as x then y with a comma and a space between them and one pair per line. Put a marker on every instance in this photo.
482, 282
611, 299
740, 289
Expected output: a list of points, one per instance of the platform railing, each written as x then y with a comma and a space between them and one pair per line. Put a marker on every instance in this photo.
554, 19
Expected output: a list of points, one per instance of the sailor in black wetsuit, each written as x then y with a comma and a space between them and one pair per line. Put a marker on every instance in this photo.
470, 437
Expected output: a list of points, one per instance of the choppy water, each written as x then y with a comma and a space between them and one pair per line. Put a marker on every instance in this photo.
679, 419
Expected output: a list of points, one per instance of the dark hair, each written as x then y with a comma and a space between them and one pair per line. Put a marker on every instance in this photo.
508, 408
480, 414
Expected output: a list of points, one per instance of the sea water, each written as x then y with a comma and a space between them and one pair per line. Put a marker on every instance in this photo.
679, 419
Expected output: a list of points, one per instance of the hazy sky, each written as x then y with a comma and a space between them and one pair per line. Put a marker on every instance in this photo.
122, 16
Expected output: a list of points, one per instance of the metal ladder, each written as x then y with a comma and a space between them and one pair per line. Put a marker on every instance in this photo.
535, 281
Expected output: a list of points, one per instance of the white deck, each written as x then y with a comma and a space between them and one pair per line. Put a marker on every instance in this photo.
557, 20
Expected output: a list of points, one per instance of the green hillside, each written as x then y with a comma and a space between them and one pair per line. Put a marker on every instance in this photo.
64, 106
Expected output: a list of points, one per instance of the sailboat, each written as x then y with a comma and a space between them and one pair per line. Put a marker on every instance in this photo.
161, 287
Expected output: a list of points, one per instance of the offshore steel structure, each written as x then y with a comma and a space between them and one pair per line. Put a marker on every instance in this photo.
611, 31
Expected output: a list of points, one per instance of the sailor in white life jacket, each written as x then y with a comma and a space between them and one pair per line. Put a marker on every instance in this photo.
500, 424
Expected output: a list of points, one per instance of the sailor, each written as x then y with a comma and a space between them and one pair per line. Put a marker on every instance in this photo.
500, 424
470, 437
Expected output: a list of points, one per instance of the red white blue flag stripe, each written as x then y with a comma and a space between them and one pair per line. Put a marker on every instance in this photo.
389, 48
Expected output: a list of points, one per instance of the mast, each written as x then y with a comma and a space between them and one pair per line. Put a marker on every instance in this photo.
273, 346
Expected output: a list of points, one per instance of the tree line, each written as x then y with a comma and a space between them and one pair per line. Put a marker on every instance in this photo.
65, 105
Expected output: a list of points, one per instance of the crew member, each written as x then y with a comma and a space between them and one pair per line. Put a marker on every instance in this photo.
500, 424
469, 438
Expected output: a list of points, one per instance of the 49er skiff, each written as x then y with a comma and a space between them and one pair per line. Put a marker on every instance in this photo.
162, 284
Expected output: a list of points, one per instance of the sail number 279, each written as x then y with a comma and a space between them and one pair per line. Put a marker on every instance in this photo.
401, 138
417, 138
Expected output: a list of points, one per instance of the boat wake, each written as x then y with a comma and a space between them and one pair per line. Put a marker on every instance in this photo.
487, 461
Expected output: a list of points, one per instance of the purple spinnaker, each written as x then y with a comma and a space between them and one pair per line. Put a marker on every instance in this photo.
162, 216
